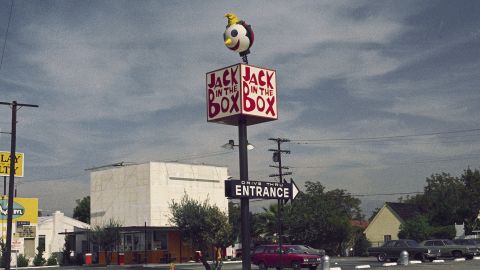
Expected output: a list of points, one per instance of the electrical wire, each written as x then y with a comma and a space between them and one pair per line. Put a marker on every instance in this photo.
309, 141
6, 34
392, 164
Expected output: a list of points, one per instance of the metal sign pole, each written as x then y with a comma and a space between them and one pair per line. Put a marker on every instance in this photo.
244, 202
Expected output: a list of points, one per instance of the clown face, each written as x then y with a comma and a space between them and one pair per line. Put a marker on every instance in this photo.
238, 37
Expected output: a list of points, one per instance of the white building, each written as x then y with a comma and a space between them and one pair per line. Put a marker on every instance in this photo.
135, 194
138, 196
50, 229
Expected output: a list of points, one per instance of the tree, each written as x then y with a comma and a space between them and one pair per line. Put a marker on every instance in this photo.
204, 225
471, 181
106, 236
67, 249
38, 260
82, 210
322, 219
419, 229
2, 251
444, 198
416, 228
267, 223
233, 218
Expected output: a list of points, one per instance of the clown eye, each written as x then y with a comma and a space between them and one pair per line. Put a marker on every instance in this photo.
234, 33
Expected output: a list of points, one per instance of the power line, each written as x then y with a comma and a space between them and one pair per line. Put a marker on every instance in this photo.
6, 33
66, 178
307, 141
392, 164
386, 194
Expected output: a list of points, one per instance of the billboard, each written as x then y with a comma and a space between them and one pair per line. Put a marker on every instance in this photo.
5, 163
241, 91
24, 209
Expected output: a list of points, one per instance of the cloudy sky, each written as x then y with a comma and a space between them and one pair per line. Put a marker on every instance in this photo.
375, 95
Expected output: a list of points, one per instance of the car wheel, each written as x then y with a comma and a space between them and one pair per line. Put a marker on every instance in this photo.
420, 256
381, 257
262, 266
296, 265
457, 254
313, 268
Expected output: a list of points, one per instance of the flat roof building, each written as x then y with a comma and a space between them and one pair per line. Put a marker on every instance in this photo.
138, 196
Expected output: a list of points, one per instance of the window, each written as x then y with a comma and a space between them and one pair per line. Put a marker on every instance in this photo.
159, 240
259, 250
41, 242
387, 238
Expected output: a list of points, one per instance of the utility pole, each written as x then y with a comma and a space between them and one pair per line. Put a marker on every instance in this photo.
277, 158
13, 133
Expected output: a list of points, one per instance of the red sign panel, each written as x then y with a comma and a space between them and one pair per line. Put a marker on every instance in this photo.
241, 91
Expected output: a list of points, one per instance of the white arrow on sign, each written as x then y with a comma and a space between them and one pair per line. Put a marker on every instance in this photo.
295, 190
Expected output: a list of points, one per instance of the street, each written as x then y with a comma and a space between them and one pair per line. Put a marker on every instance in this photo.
344, 263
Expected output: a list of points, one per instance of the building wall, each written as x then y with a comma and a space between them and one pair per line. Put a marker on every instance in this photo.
52, 226
135, 194
384, 223
121, 194
171, 181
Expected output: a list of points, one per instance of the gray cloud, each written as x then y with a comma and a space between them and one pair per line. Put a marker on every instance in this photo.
124, 80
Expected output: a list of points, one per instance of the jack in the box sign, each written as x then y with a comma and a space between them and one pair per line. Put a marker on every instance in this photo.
242, 91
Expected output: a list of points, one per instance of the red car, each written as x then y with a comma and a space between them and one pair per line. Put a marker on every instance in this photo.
293, 256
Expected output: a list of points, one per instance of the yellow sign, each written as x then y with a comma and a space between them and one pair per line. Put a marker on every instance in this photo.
24, 209
5, 164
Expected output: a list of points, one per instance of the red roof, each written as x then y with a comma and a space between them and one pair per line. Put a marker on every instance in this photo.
359, 223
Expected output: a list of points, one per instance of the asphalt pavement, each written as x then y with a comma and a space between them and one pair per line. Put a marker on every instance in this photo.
337, 263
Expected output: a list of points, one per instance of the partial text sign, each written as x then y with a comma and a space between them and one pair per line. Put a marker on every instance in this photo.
5, 164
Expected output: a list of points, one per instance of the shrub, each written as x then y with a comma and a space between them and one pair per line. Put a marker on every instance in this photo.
443, 232
52, 260
39, 260
22, 261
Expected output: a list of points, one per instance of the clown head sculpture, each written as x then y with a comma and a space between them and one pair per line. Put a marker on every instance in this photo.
238, 36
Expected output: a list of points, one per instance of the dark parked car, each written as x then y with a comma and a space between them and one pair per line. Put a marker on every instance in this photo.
391, 251
468, 242
293, 256
449, 249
